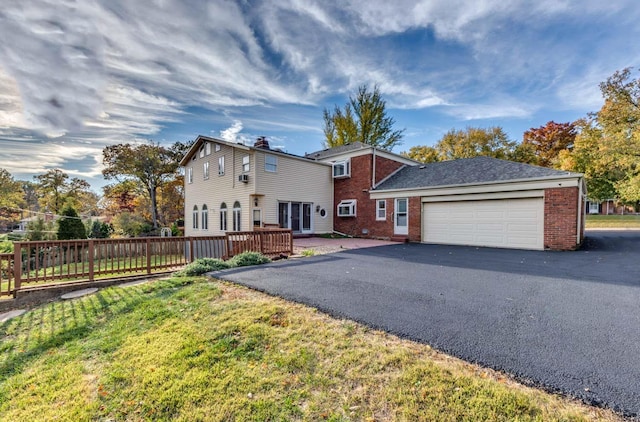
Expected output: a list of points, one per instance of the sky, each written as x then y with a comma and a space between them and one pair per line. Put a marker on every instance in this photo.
76, 76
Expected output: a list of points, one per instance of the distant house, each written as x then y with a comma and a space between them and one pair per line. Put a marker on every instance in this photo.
608, 207
363, 191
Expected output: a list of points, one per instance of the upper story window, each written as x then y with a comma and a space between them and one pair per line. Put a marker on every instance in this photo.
347, 208
381, 209
270, 163
245, 164
190, 175
217, 148
201, 151
342, 168
221, 166
207, 148
205, 170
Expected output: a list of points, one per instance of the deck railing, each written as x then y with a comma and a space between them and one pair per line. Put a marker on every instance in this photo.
42, 263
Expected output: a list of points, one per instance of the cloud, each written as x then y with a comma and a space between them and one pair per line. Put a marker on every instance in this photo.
231, 133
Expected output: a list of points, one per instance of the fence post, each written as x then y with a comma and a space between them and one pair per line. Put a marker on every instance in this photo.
192, 253
226, 244
290, 242
91, 258
148, 243
261, 236
17, 266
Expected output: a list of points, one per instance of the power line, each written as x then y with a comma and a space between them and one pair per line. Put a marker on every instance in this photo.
44, 213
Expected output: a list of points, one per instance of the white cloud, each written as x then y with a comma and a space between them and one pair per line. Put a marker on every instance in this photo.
231, 133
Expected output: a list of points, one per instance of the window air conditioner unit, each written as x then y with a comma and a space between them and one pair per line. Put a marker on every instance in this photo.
244, 178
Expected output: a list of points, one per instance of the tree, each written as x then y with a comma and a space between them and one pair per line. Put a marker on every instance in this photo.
364, 119
51, 187
99, 230
70, 226
473, 142
423, 153
39, 229
548, 140
150, 165
607, 147
11, 197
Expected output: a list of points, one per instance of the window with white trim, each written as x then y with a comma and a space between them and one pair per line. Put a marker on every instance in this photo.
237, 213
221, 166
190, 175
205, 217
217, 147
347, 208
195, 216
270, 163
201, 151
245, 164
223, 217
205, 170
381, 209
342, 169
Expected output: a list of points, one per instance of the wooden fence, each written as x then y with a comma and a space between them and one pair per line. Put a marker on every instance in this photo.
42, 263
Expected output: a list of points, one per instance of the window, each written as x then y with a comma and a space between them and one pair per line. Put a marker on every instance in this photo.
236, 216
205, 217
270, 163
594, 208
257, 218
190, 174
207, 148
217, 148
205, 170
195, 217
245, 164
342, 169
223, 217
201, 151
347, 208
221, 166
381, 209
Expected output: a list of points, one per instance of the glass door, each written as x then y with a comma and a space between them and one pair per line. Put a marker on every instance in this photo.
401, 220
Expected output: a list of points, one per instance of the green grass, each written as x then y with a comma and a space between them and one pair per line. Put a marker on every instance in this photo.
190, 349
613, 221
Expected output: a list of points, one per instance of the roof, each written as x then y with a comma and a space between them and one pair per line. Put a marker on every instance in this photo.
467, 171
319, 155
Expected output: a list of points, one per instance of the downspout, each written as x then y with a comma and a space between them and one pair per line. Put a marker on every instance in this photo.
373, 173
580, 212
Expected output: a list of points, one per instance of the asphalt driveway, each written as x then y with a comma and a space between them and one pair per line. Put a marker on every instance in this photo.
567, 321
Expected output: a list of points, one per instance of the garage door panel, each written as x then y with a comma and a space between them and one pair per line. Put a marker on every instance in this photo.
508, 223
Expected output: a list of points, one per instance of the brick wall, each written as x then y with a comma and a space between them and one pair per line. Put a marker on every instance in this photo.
560, 218
357, 187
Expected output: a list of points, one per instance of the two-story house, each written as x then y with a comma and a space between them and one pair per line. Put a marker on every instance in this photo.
235, 187
359, 190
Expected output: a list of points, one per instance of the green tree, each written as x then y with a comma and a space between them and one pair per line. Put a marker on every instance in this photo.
51, 187
151, 165
423, 153
70, 225
39, 229
11, 197
364, 119
473, 142
547, 141
99, 230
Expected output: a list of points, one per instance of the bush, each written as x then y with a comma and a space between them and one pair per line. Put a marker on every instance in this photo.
6, 246
248, 258
203, 265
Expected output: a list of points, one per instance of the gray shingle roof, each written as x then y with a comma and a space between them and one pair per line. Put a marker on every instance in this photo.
466, 171
319, 155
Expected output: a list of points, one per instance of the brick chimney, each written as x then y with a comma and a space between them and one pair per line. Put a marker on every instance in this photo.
261, 142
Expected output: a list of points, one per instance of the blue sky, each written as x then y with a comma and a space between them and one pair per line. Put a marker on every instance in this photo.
77, 76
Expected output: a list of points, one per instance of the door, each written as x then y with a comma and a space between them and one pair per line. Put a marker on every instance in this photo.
295, 216
401, 217
283, 214
504, 223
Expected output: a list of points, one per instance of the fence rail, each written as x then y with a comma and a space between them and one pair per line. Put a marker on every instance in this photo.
42, 263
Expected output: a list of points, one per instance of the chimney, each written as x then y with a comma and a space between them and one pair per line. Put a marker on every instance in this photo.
261, 142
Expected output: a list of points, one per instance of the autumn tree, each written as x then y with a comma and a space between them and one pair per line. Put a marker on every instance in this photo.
607, 147
364, 119
51, 189
11, 197
423, 153
150, 165
473, 142
548, 140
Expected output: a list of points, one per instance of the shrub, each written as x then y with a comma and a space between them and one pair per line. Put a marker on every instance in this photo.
248, 258
201, 266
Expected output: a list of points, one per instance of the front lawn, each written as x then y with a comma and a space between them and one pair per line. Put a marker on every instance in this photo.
613, 221
193, 349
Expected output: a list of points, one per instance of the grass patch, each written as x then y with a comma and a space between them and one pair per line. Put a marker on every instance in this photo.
308, 252
192, 349
612, 221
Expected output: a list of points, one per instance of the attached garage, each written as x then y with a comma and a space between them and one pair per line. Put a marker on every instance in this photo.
503, 223
489, 202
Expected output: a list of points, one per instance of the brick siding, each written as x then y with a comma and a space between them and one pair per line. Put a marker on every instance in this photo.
561, 218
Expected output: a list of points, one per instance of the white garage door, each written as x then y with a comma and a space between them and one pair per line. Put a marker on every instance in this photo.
504, 223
